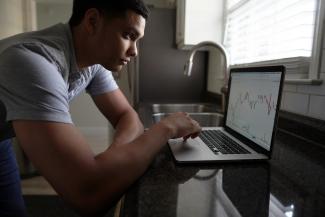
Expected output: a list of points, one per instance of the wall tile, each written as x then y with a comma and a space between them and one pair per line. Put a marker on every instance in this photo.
322, 75
290, 87
295, 102
317, 105
313, 89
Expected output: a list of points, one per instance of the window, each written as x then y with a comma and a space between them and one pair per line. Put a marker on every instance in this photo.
273, 31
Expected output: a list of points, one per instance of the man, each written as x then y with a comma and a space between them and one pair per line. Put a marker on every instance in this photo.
40, 72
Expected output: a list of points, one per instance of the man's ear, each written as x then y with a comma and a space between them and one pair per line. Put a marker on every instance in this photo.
92, 20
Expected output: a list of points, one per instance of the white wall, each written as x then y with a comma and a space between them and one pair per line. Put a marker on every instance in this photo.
52, 13
11, 17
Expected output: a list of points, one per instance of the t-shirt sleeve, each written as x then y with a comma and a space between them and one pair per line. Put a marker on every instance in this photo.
102, 82
31, 87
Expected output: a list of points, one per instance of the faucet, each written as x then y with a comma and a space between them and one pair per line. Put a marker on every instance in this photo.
189, 64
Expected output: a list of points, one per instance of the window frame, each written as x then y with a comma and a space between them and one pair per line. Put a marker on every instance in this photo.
313, 62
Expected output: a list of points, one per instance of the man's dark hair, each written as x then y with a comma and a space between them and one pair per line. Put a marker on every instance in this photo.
111, 8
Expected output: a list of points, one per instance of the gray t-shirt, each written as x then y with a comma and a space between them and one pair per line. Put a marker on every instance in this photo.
39, 77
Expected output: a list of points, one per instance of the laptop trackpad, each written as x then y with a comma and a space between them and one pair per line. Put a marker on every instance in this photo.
191, 149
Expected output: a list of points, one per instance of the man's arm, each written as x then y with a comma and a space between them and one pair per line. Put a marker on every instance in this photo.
115, 107
91, 183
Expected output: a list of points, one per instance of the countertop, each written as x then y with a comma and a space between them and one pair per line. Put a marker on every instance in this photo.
291, 184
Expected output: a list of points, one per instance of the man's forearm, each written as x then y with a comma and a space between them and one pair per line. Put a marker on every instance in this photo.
128, 128
124, 163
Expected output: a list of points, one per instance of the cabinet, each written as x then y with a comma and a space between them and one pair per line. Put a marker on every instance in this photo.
199, 21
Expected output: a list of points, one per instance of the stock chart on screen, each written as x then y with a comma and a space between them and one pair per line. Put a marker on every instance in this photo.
252, 105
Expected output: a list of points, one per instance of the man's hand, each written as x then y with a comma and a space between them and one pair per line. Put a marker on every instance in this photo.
181, 125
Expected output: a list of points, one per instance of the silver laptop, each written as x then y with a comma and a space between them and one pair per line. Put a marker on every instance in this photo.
248, 131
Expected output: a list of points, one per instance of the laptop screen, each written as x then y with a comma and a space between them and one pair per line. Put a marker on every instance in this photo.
252, 104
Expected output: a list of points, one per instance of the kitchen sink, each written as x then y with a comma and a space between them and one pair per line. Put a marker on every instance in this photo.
190, 108
205, 119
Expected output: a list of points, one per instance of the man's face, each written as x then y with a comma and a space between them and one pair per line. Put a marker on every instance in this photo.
117, 40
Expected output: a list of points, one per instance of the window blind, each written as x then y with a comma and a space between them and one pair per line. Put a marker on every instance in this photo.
269, 30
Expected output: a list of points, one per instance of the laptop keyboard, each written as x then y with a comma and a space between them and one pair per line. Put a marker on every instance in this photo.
219, 142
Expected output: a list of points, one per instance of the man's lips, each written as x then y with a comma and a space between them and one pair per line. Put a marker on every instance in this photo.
125, 61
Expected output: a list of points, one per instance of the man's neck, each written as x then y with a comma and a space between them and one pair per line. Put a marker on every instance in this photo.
81, 48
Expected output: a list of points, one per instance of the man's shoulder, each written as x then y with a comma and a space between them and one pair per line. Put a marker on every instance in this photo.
52, 41
51, 44
27, 54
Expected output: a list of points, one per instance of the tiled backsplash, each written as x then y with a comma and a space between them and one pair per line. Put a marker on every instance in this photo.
307, 100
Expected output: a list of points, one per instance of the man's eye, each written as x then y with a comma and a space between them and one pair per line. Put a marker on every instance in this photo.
126, 36
130, 36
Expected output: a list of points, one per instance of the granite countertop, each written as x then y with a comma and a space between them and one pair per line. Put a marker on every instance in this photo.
290, 184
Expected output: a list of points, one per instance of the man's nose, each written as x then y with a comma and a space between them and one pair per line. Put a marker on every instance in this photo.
133, 51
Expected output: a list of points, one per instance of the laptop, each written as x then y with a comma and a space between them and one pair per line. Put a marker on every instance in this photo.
248, 129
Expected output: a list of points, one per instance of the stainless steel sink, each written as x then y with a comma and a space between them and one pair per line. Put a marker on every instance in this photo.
205, 119
191, 108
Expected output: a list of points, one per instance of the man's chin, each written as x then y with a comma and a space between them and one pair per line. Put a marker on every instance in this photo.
113, 68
